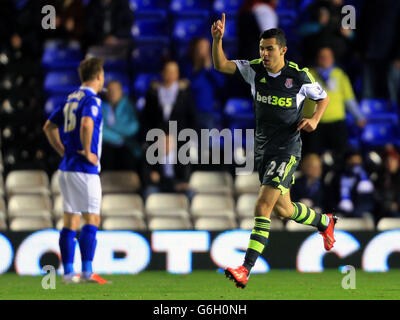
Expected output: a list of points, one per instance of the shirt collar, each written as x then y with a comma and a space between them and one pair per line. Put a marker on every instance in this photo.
88, 88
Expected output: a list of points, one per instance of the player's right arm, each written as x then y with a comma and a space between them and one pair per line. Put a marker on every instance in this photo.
51, 131
221, 63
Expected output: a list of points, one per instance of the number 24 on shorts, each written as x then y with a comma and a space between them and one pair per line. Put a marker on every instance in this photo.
280, 170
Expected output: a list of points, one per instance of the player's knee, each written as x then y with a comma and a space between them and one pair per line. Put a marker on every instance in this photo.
93, 219
263, 207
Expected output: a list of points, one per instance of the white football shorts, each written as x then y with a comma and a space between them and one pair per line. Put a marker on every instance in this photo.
81, 192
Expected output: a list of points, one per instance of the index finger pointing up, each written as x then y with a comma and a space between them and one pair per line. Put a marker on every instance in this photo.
223, 19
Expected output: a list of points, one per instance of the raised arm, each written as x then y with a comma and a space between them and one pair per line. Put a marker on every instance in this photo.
221, 63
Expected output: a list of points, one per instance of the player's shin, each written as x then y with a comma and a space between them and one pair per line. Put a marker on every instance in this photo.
305, 215
87, 244
258, 241
67, 248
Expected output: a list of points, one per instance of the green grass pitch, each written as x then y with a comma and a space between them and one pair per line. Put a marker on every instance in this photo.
209, 285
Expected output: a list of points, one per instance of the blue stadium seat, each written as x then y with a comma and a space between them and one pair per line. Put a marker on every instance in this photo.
191, 8
238, 107
239, 113
149, 8
185, 30
379, 110
230, 7
150, 30
52, 103
148, 57
61, 82
379, 134
122, 77
142, 82
230, 34
61, 58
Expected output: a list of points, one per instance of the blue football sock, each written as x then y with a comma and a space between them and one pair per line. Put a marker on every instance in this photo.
87, 244
67, 248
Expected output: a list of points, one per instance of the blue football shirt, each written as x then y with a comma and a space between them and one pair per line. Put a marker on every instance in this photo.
81, 103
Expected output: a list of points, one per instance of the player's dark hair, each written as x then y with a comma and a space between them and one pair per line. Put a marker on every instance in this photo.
276, 33
90, 68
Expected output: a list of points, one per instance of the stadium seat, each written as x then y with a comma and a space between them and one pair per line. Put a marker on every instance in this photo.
121, 77
247, 183
184, 30
122, 205
123, 223
379, 134
52, 103
2, 192
248, 224
230, 34
61, 58
245, 204
211, 182
207, 205
58, 209
378, 109
30, 224
115, 57
150, 31
3, 223
61, 82
167, 204
143, 53
27, 182
213, 224
35, 205
149, 8
191, 8
142, 82
355, 224
119, 181
388, 224
230, 7
169, 223
54, 184
239, 113
292, 225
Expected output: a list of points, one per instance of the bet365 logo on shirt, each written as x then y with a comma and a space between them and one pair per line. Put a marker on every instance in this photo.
274, 100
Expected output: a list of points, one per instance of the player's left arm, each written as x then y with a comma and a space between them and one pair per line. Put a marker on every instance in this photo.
312, 123
313, 90
53, 136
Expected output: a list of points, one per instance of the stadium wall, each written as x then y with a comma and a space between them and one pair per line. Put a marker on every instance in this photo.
125, 252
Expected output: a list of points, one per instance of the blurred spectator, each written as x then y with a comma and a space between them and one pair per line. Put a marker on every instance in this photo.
351, 189
121, 151
308, 188
205, 82
388, 186
69, 20
108, 21
331, 132
169, 175
378, 40
169, 100
254, 17
325, 29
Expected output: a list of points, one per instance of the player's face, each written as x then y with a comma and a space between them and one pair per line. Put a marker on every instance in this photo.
170, 73
271, 53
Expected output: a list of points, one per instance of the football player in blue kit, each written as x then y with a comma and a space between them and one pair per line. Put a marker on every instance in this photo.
74, 130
